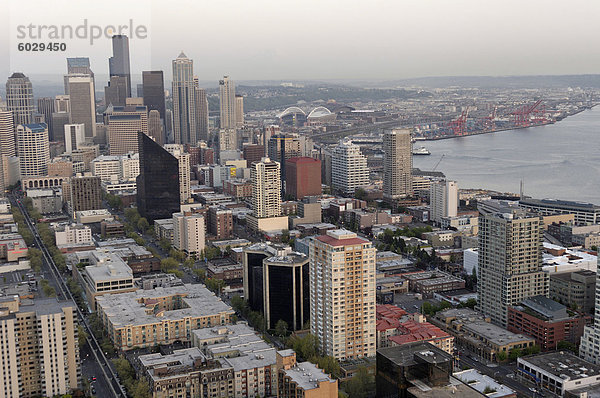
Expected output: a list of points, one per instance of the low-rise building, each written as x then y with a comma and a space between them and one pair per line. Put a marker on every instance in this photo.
558, 372
138, 258
466, 224
67, 235
547, 321
430, 282
164, 229
227, 270
238, 188
92, 216
477, 334
576, 289
302, 379
417, 329
12, 247
561, 259
220, 222
484, 384
112, 229
46, 200
186, 372
145, 318
443, 238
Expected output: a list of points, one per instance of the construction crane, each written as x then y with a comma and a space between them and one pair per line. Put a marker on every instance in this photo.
459, 126
438, 162
522, 114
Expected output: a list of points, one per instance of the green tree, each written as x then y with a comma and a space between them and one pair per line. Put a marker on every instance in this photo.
514, 354
306, 347
81, 336
361, 385
177, 255
132, 215
360, 194
330, 365
566, 345
534, 349
142, 224
281, 328
501, 356
164, 244
169, 263
201, 274
215, 285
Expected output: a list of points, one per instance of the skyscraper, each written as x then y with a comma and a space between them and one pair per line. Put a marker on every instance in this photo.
39, 348
77, 65
227, 140
156, 128
83, 101
184, 170
62, 103
266, 188
124, 122
202, 114
118, 64
184, 101
116, 91
239, 111
510, 260
349, 169
19, 98
74, 137
34, 149
342, 294
8, 147
45, 106
154, 91
86, 193
59, 120
443, 200
227, 103
397, 165
158, 182
303, 177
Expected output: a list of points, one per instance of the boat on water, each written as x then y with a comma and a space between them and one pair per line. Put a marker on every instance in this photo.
421, 151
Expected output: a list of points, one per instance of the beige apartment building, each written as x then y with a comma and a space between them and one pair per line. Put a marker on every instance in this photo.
302, 379
397, 164
510, 261
189, 233
124, 123
342, 294
184, 170
39, 348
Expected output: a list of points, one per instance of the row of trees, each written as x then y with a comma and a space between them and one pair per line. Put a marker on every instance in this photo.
136, 388
515, 353
255, 318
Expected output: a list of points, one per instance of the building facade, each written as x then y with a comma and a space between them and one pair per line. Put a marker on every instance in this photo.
443, 200
82, 101
188, 233
227, 103
184, 101
34, 149
303, 177
349, 169
397, 164
19, 98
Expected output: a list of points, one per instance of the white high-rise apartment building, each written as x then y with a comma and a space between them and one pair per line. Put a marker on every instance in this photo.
116, 168
82, 101
227, 140
184, 170
509, 266
239, 111
19, 98
342, 294
74, 137
589, 348
34, 149
189, 233
443, 200
349, 169
397, 164
266, 188
184, 101
227, 103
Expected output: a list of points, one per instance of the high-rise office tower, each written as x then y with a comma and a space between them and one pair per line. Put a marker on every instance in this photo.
239, 111
397, 165
349, 169
282, 147
158, 182
189, 233
59, 120
62, 103
124, 122
286, 293
45, 106
154, 91
202, 114
589, 344
77, 65
19, 98
227, 103
184, 101
140, 90
118, 64
83, 101
184, 170
8, 147
39, 348
266, 188
116, 91
34, 149
443, 200
303, 177
74, 137
342, 294
253, 153
227, 140
86, 193
510, 260
156, 127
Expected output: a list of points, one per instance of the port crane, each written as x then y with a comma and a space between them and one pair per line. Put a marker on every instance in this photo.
438, 162
459, 126
522, 114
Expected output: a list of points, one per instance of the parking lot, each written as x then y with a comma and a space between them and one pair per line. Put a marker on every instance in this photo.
409, 302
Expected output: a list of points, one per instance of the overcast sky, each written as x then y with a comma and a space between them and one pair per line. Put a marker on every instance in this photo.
327, 39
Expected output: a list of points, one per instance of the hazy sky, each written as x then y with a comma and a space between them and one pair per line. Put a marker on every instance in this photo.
328, 39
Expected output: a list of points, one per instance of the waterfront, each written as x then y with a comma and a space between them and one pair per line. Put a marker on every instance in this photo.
561, 160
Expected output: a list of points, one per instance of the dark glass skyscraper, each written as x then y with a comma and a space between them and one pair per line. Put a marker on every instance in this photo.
118, 64
158, 182
154, 91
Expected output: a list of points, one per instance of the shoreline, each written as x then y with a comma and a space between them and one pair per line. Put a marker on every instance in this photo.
508, 128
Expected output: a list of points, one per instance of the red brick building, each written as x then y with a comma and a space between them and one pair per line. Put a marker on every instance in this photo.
253, 153
303, 177
239, 189
547, 321
220, 222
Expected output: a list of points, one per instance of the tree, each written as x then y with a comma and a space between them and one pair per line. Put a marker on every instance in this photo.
501, 356
81, 336
470, 303
330, 365
281, 328
201, 274
360, 194
534, 349
132, 215
514, 354
566, 345
164, 244
361, 385
142, 224
306, 347
177, 255
168, 264
215, 285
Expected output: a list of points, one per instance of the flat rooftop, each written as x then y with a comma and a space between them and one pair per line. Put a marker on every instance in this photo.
127, 309
405, 354
307, 375
563, 364
455, 389
480, 381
